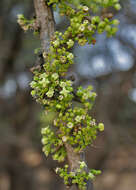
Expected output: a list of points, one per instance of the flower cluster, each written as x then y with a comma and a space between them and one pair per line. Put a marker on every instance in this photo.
94, 5
76, 128
51, 143
51, 91
78, 177
24, 23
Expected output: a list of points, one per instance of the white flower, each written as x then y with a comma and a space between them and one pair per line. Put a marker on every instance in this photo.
78, 118
70, 125
45, 130
50, 92
82, 164
70, 56
86, 21
33, 84
44, 141
70, 43
85, 8
63, 84
44, 55
64, 92
92, 123
43, 75
61, 97
45, 101
56, 170
82, 28
44, 82
64, 138
55, 76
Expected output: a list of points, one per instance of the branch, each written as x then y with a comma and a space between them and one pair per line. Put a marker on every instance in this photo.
45, 22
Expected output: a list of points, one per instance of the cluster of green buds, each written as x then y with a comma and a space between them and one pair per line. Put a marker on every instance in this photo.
24, 23
78, 177
93, 5
73, 124
51, 143
51, 91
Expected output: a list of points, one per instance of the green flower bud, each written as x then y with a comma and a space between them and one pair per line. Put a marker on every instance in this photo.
56, 43
108, 28
101, 126
95, 19
82, 41
58, 106
91, 176
33, 92
50, 92
115, 22
117, 6
102, 24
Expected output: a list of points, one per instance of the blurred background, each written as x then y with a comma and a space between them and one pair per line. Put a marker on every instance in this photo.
110, 66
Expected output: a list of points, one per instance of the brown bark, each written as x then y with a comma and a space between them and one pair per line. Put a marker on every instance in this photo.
45, 23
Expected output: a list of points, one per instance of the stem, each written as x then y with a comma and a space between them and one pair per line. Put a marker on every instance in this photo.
45, 22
